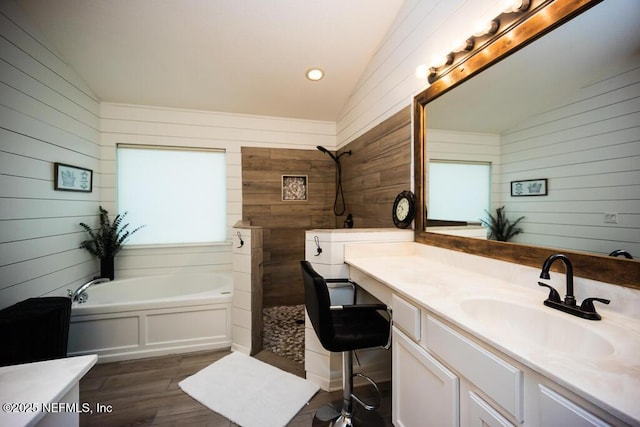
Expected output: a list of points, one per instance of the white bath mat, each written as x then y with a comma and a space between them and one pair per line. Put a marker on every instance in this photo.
249, 392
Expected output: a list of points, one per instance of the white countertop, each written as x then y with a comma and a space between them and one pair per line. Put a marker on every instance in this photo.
38, 383
441, 281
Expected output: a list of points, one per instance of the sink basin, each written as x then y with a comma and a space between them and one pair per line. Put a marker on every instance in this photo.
538, 326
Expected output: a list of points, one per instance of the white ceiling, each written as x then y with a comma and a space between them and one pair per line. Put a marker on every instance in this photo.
238, 56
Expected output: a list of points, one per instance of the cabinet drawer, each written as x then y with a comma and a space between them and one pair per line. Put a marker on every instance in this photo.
558, 410
501, 381
481, 414
406, 316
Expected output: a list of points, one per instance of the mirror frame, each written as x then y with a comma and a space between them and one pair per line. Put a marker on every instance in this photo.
541, 20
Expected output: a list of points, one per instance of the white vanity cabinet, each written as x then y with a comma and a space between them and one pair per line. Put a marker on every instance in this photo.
442, 377
425, 392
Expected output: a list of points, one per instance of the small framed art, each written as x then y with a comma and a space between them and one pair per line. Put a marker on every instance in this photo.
72, 178
529, 187
294, 187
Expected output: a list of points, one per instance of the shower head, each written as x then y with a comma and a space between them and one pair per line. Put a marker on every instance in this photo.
324, 150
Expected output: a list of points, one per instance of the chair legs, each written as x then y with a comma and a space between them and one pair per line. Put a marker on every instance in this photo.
346, 417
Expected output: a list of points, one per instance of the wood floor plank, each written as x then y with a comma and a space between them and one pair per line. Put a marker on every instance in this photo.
145, 392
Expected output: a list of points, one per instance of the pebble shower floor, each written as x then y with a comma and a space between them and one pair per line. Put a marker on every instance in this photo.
284, 331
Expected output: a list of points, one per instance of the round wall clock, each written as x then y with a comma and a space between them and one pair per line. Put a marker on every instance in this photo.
404, 209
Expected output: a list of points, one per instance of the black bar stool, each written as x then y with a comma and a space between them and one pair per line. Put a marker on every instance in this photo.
344, 328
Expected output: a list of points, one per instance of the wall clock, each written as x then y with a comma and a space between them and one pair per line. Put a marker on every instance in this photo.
404, 209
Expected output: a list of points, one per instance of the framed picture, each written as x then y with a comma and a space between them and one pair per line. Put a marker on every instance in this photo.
294, 187
72, 178
529, 187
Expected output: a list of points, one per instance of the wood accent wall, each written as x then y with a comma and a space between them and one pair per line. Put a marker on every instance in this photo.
378, 169
284, 222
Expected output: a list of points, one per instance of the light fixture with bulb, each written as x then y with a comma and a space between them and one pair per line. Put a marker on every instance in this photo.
514, 12
513, 6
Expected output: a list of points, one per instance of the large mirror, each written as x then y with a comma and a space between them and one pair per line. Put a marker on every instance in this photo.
562, 112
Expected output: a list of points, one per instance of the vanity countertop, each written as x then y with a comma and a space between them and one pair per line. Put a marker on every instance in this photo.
441, 281
35, 384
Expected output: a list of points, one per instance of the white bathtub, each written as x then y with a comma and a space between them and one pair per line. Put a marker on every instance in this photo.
153, 316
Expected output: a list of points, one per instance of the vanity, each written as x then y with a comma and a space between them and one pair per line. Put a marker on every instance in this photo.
45, 393
473, 344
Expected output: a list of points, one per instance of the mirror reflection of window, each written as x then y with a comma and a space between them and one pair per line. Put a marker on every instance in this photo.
459, 191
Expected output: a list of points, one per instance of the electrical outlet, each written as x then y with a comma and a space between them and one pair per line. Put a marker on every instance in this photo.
610, 217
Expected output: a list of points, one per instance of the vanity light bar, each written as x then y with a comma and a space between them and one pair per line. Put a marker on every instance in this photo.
515, 12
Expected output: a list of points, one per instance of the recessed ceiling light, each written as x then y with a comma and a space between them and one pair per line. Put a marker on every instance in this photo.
315, 74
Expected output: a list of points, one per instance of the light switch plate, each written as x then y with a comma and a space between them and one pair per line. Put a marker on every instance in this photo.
610, 217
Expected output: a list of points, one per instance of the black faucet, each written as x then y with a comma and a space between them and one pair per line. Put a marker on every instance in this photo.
622, 252
586, 309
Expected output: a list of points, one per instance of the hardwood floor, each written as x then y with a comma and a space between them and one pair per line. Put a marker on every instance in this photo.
145, 392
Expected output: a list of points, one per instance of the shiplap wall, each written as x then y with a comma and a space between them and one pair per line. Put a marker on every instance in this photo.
589, 149
47, 115
422, 31
131, 124
467, 147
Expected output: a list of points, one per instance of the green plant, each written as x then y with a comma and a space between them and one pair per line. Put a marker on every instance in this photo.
107, 240
500, 228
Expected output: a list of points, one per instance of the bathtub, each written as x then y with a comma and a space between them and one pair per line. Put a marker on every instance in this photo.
153, 316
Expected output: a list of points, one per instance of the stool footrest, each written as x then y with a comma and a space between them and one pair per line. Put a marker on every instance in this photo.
365, 405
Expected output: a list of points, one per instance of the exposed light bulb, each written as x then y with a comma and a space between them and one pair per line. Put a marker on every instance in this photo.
462, 45
512, 6
439, 61
488, 27
422, 71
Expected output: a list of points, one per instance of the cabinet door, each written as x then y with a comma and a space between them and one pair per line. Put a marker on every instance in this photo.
481, 414
557, 410
425, 392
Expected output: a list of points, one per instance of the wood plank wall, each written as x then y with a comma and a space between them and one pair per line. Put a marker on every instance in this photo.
47, 115
284, 222
378, 169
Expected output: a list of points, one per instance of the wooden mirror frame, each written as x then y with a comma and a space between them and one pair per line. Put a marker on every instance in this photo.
541, 20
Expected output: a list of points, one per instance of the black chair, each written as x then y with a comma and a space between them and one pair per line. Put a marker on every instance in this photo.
344, 328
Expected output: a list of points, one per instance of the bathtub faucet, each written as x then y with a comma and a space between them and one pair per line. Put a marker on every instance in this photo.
80, 295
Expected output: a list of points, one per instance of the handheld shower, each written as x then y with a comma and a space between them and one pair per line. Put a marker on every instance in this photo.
339, 192
324, 150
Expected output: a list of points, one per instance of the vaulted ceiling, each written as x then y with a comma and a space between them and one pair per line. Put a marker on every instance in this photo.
237, 56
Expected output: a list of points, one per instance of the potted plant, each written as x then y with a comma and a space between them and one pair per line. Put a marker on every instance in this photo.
107, 240
500, 228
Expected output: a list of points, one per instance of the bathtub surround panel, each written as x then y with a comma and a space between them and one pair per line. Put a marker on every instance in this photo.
160, 315
91, 334
152, 332
284, 222
47, 115
378, 169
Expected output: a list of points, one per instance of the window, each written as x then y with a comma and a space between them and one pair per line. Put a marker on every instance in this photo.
178, 194
458, 191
